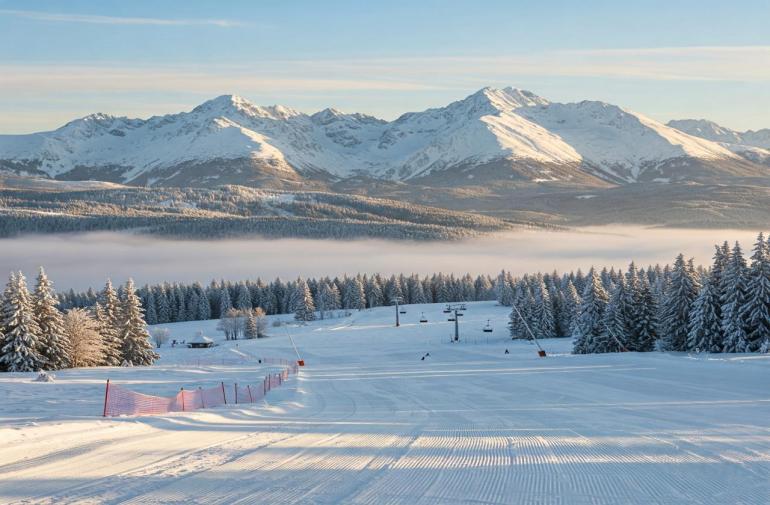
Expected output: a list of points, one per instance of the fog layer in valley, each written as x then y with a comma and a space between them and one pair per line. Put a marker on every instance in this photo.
83, 260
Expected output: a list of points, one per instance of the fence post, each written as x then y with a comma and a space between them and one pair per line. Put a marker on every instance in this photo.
203, 402
251, 398
182, 391
236, 393
224, 395
106, 396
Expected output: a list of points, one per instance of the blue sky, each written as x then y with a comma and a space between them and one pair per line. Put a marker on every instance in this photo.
666, 59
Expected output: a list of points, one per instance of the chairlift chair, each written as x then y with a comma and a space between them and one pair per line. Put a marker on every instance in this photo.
451, 319
488, 327
402, 312
423, 319
447, 310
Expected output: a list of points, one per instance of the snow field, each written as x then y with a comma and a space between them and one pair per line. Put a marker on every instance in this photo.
367, 421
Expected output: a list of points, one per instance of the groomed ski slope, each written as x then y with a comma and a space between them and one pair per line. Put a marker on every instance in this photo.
368, 422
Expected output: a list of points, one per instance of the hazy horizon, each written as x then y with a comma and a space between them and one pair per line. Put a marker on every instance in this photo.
86, 260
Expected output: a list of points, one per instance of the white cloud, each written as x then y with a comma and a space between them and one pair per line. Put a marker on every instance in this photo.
741, 64
53, 79
116, 20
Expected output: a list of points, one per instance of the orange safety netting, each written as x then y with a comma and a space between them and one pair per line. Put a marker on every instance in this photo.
119, 400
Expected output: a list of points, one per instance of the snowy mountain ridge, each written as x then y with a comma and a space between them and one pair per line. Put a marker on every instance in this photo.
753, 145
231, 140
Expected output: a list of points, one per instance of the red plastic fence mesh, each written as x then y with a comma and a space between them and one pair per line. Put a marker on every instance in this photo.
122, 401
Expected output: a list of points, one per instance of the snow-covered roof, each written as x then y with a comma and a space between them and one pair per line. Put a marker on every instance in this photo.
200, 339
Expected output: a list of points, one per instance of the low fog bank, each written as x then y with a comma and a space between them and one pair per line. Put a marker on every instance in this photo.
83, 260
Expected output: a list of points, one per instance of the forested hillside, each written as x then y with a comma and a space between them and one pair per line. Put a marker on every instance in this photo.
230, 211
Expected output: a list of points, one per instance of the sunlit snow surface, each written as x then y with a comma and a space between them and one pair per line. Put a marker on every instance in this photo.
368, 421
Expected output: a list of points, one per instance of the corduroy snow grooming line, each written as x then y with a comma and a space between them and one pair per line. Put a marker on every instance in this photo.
120, 401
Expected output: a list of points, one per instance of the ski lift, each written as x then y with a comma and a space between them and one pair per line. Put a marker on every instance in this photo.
402, 312
488, 327
462, 307
447, 310
423, 319
451, 319
460, 314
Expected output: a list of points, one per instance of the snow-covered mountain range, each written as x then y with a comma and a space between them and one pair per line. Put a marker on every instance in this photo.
500, 133
753, 145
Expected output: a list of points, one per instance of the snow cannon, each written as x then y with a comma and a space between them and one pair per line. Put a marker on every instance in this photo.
541, 353
300, 362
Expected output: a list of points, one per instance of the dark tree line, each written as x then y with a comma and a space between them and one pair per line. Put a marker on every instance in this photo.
166, 303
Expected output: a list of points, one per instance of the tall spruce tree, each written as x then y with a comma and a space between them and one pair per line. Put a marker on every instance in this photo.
544, 323
646, 318
302, 302
225, 303
570, 308
618, 322
137, 348
108, 317
704, 327
756, 310
53, 343
151, 313
680, 296
589, 325
19, 352
734, 297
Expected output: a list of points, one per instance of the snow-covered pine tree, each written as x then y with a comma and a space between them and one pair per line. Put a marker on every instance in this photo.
515, 324
109, 318
111, 355
354, 297
225, 304
544, 325
374, 296
646, 322
204, 309
302, 302
557, 302
570, 308
151, 313
416, 293
19, 352
733, 300
53, 343
251, 325
323, 299
590, 317
679, 299
504, 289
83, 332
243, 298
704, 327
332, 298
522, 320
618, 322
483, 287
393, 290
137, 348
181, 305
191, 307
163, 310
756, 311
